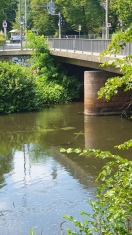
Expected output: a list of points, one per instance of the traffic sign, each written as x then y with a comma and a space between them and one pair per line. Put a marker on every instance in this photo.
108, 25
4, 24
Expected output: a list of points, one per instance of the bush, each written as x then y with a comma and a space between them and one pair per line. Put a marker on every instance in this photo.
49, 92
63, 90
56, 86
21, 90
17, 89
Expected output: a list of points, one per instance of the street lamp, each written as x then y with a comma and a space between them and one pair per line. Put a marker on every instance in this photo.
25, 17
106, 21
21, 23
79, 29
105, 6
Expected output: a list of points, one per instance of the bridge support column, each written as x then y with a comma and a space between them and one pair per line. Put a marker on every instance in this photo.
93, 81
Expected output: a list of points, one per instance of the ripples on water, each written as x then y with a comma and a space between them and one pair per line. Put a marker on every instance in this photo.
38, 185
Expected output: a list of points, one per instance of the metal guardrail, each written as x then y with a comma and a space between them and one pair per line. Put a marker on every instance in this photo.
86, 45
77, 36
70, 44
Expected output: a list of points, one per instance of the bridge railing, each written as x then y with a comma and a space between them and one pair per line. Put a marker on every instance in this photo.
85, 45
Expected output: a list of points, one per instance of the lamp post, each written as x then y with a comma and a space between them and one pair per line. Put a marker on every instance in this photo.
79, 29
106, 21
105, 6
25, 17
59, 14
21, 23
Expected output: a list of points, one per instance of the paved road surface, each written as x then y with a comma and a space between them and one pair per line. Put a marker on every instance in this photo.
11, 46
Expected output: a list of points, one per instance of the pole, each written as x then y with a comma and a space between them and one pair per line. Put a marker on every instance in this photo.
5, 33
21, 23
25, 17
59, 25
107, 30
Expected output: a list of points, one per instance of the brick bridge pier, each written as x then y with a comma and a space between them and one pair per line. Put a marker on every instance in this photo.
93, 81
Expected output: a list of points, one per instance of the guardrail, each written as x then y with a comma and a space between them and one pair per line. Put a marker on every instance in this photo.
85, 45
82, 45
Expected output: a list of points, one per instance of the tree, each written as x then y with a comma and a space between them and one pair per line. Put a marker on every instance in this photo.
8, 12
122, 9
43, 22
86, 13
3, 6
89, 14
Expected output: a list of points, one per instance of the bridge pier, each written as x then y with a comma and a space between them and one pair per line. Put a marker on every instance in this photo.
93, 81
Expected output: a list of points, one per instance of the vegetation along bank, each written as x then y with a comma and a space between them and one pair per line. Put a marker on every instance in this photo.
25, 89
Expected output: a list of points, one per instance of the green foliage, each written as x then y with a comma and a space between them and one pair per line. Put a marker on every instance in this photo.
41, 55
122, 11
87, 13
32, 231
8, 12
57, 90
126, 145
23, 90
53, 86
90, 14
2, 42
17, 89
49, 91
112, 210
112, 85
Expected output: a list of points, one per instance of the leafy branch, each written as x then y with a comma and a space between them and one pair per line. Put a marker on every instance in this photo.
112, 210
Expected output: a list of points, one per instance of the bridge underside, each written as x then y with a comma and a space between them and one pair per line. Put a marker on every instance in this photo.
94, 79
83, 59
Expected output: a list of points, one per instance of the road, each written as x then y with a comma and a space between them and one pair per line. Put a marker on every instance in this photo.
11, 46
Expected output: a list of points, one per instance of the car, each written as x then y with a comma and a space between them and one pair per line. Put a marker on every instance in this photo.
15, 39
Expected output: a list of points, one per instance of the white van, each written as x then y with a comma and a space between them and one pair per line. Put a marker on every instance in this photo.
14, 39
15, 36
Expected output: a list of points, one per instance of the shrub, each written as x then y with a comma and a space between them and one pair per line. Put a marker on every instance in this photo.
58, 87
17, 89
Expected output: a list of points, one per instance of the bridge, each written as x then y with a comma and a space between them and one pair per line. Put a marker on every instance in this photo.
84, 53
81, 52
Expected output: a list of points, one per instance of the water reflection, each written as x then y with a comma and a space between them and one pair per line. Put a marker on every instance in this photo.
106, 132
39, 184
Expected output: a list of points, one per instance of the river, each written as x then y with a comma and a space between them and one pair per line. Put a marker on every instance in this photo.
38, 184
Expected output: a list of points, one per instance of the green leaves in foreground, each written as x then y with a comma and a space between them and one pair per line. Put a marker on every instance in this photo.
112, 210
32, 231
123, 63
